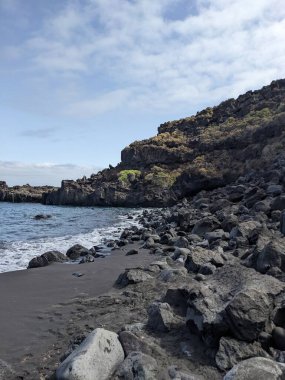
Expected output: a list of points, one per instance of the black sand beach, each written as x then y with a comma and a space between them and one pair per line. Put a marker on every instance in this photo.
32, 303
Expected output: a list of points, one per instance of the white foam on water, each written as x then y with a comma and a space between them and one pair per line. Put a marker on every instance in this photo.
16, 255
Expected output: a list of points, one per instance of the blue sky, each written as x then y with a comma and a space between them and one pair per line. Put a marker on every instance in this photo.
81, 79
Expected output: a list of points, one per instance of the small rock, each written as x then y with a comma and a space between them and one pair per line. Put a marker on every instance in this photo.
87, 259
132, 252
77, 274
42, 217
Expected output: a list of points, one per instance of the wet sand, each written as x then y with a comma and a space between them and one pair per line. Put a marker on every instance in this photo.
27, 296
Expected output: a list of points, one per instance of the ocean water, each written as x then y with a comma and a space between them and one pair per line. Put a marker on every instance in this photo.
22, 237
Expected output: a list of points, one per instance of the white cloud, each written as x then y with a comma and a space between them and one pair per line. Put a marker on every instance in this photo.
136, 55
20, 173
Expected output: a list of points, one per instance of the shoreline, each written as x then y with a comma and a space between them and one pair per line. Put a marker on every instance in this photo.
30, 298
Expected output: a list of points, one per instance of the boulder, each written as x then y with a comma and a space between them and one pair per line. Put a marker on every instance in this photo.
232, 351
171, 275
271, 256
247, 313
160, 317
46, 259
216, 235
229, 222
207, 224
208, 300
181, 242
200, 256
257, 369
137, 366
278, 203
131, 342
97, 357
132, 276
254, 196
77, 251
248, 230
274, 190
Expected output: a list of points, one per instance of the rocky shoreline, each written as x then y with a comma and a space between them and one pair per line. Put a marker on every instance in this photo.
25, 193
211, 303
204, 297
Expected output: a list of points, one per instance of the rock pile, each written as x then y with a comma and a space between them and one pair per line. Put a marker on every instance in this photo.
218, 275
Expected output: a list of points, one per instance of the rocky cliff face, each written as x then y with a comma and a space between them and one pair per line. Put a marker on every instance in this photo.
26, 193
204, 151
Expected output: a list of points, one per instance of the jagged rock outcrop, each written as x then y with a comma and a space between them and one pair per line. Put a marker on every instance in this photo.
25, 193
204, 151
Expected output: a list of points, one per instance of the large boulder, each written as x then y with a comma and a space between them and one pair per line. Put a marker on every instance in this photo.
46, 259
257, 369
213, 304
232, 351
76, 251
247, 313
96, 358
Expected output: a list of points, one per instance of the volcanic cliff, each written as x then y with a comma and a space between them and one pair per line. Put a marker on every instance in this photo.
205, 151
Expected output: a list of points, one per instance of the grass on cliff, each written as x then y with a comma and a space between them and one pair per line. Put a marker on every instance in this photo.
125, 175
235, 127
162, 178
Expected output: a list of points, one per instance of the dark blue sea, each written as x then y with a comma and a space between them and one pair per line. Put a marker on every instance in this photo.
22, 236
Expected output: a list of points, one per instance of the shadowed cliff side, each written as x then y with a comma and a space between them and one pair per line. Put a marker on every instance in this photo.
204, 151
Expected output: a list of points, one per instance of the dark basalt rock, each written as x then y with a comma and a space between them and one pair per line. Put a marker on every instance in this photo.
47, 258
232, 351
77, 251
234, 300
257, 369
25, 193
42, 217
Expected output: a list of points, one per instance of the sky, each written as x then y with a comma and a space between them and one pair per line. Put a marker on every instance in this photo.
82, 79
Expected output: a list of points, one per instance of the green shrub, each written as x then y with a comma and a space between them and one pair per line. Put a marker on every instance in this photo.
125, 174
